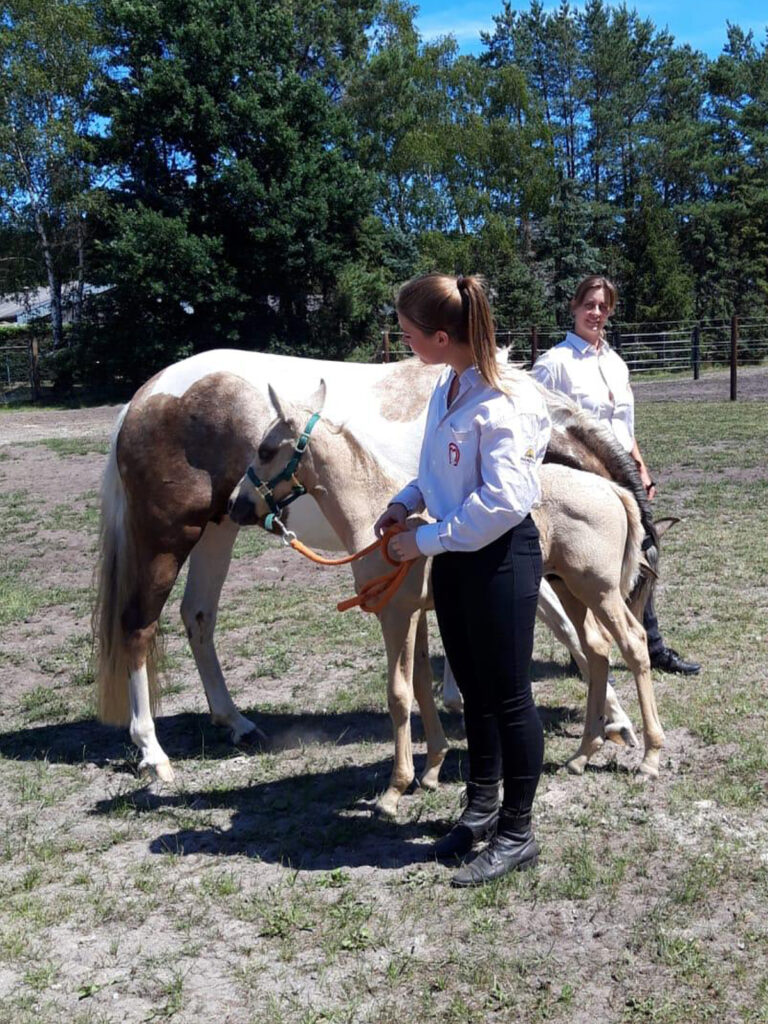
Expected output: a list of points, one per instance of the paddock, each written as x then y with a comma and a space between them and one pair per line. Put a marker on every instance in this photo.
259, 886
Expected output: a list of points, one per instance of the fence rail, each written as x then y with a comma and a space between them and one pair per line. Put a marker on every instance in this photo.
679, 347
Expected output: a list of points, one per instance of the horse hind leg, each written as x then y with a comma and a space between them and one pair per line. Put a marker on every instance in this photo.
208, 567
437, 745
140, 691
596, 650
550, 611
631, 640
140, 622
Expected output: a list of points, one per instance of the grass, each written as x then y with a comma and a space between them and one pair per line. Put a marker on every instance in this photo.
264, 874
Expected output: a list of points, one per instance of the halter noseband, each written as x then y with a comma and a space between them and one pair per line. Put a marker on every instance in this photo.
287, 473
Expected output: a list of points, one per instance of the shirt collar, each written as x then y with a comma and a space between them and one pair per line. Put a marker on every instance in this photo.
583, 347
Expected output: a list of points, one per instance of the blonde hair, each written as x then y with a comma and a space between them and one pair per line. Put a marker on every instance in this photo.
595, 281
460, 307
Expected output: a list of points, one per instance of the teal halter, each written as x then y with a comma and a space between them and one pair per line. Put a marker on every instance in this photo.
287, 473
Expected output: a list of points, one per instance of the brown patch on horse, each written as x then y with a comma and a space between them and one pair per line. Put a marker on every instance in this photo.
179, 458
404, 392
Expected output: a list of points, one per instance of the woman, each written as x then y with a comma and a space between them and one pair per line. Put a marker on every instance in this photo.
479, 478
586, 368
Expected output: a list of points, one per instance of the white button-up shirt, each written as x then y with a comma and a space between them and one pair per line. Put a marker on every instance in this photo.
479, 463
597, 379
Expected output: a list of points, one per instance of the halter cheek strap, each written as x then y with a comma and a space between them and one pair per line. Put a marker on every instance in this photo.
287, 473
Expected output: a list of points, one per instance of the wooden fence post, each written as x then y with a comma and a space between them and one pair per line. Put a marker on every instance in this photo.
385, 357
616, 339
734, 353
696, 350
34, 368
534, 344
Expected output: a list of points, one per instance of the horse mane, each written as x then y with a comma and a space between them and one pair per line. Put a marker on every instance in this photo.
579, 440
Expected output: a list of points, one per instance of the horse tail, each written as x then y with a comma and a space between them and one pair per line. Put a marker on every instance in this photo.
632, 559
116, 582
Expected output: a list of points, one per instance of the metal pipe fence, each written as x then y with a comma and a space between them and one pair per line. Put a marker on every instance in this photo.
684, 346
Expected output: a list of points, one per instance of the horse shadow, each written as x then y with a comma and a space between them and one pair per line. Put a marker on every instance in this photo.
190, 735
318, 820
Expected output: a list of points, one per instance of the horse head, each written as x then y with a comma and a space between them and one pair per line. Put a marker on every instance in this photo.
282, 468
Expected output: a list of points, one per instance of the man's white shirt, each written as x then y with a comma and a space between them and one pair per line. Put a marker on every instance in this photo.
597, 379
479, 463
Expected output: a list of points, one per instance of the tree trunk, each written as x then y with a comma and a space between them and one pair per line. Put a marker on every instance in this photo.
54, 283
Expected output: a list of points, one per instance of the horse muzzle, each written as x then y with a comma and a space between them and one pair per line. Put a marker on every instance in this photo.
242, 510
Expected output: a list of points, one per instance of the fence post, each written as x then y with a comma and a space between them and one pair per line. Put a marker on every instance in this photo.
385, 356
616, 339
34, 368
534, 344
734, 353
696, 350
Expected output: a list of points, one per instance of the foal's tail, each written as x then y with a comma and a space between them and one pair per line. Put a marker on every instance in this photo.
117, 580
632, 561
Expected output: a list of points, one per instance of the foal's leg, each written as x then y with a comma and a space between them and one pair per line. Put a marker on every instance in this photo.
596, 650
437, 745
399, 628
208, 567
630, 637
551, 612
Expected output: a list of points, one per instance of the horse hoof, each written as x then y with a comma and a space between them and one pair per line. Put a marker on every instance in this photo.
162, 770
577, 764
623, 735
430, 779
649, 768
386, 805
253, 739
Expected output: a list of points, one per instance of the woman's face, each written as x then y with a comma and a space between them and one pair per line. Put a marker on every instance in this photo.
590, 315
422, 343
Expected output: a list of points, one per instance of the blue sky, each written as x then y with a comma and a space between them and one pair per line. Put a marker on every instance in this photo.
701, 23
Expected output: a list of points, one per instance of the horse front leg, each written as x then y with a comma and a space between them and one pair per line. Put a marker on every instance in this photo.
208, 568
399, 628
437, 745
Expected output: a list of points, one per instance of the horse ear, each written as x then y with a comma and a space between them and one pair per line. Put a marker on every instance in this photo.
317, 401
662, 525
277, 403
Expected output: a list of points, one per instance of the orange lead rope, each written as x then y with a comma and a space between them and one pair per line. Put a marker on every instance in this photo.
376, 592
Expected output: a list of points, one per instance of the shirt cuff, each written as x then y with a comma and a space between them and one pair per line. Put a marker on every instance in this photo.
428, 539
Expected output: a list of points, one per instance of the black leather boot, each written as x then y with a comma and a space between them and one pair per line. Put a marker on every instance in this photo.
513, 848
477, 822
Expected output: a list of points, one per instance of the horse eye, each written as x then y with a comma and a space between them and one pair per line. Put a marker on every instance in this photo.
265, 453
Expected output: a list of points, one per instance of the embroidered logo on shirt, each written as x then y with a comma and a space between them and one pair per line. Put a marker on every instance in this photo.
529, 454
453, 454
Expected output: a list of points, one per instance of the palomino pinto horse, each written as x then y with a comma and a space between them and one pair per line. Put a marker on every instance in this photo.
591, 535
178, 450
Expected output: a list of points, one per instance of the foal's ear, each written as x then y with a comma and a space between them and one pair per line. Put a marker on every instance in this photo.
281, 408
317, 401
662, 525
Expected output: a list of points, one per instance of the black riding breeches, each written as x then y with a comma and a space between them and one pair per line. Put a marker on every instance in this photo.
485, 603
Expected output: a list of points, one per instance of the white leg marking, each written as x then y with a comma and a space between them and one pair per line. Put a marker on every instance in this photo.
143, 728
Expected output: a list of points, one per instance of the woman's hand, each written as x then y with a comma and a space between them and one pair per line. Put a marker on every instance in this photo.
403, 547
393, 515
648, 483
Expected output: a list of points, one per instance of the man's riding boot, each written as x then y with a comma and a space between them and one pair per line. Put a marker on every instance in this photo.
513, 848
477, 821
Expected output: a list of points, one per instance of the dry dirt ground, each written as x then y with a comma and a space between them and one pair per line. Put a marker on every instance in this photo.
259, 886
